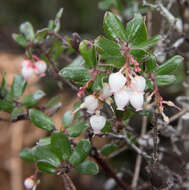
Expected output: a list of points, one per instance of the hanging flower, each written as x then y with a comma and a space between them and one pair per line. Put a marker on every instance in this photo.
137, 100
106, 91
29, 183
122, 98
40, 68
116, 81
138, 83
90, 103
27, 69
97, 123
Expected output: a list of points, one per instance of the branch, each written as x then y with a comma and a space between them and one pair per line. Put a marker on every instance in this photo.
133, 146
109, 171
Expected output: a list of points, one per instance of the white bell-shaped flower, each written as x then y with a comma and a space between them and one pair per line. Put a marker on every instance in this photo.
25, 62
122, 98
29, 183
27, 72
106, 91
137, 100
97, 123
90, 103
116, 81
138, 83
41, 67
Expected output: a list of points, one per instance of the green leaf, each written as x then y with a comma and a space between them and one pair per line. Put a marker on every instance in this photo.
108, 149
163, 80
46, 167
106, 46
16, 113
76, 71
169, 66
32, 100
98, 82
20, 39
53, 101
148, 43
136, 30
88, 52
150, 63
88, 167
107, 127
68, 118
61, 145
108, 4
41, 120
27, 29
44, 153
27, 155
57, 23
80, 152
40, 35
6, 105
77, 129
113, 27
18, 86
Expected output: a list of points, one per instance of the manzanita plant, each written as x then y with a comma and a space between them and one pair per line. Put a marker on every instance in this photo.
114, 76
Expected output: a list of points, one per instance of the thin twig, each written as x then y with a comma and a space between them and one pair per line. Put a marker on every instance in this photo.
139, 157
68, 183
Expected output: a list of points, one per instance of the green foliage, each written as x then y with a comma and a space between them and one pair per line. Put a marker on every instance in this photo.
68, 118
32, 100
77, 129
41, 120
108, 149
27, 29
18, 86
163, 80
113, 27
88, 167
61, 145
88, 52
16, 113
80, 152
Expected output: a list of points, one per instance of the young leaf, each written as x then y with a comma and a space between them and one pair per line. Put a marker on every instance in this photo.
18, 86
108, 149
32, 100
113, 26
53, 101
88, 52
80, 152
27, 29
27, 155
16, 113
169, 66
77, 129
20, 39
40, 35
68, 118
136, 30
163, 80
106, 46
61, 145
46, 167
76, 71
88, 167
41, 120
44, 153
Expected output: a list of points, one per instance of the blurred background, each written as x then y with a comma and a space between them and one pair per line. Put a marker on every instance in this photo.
83, 17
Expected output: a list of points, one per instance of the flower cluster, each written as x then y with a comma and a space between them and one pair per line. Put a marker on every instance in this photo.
127, 91
29, 67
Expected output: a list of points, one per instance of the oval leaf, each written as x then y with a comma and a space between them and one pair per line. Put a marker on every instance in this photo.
88, 167
41, 120
163, 80
61, 145
113, 26
80, 152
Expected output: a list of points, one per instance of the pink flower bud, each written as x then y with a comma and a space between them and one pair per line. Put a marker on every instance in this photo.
97, 123
29, 183
138, 83
137, 100
116, 81
106, 91
41, 67
122, 98
90, 103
